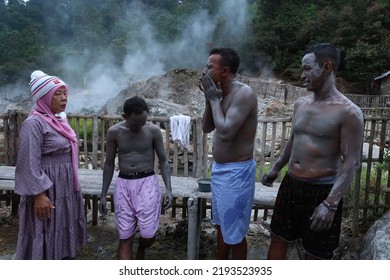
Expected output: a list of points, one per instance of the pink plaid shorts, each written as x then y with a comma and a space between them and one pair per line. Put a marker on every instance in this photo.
137, 202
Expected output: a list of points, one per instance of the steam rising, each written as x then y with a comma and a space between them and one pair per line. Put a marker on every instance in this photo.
148, 57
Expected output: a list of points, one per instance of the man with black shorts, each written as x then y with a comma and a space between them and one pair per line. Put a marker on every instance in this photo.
322, 154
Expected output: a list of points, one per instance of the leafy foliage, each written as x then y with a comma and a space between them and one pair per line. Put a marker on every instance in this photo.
359, 28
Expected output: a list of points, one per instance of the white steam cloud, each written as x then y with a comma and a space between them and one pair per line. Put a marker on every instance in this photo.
147, 57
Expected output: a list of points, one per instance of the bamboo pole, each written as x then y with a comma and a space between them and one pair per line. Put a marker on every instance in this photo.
95, 140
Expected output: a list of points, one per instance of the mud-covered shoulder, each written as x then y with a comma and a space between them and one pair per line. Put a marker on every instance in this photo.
303, 101
244, 88
246, 95
114, 129
153, 128
354, 111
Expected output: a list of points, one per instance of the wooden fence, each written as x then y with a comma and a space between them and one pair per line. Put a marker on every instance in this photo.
290, 93
285, 92
376, 112
370, 101
369, 194
91, 132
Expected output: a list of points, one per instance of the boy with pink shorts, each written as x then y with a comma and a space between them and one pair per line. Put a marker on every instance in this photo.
137, 196
137, 202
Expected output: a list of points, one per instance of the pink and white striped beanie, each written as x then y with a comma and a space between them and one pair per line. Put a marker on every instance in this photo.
42, 83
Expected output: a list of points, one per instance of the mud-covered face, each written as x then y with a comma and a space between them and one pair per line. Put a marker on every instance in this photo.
136, 121
59, 100
313, 75
214, 68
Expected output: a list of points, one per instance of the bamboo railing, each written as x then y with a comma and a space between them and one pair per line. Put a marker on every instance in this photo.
369, 194
290, 93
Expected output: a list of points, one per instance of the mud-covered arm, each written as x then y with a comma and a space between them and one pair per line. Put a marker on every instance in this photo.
108, 169
283, 159
350, 146
207, 120
164, 165
227, 124
351, 141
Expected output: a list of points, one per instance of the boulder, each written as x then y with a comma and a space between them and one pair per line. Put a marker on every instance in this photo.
376, 242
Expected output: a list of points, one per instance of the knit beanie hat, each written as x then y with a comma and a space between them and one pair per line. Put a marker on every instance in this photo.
42, 83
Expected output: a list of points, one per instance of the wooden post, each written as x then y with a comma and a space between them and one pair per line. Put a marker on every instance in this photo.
379, 171
194, 223
13, 131
15, 199
77, 121
185, 161
95, 139
285, 95
198, 160
85, 134
387, 195
205, 154
262, 150
6, 141
273, 143
95, 207
102, 144
356, 203
167, 139
194, 147
175, 158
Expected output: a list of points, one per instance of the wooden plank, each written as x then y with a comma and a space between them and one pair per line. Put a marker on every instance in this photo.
91, 184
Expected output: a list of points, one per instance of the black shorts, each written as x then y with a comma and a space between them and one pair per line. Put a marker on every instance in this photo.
294, 205
135, 175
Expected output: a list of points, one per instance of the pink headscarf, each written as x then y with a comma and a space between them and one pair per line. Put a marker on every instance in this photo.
42, 109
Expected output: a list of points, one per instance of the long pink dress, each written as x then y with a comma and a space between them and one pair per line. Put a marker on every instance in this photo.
44, 165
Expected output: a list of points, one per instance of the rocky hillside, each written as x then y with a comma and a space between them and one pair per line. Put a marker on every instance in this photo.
177, 92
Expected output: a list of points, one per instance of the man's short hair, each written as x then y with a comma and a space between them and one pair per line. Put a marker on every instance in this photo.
135, 105
229, 58
324, 52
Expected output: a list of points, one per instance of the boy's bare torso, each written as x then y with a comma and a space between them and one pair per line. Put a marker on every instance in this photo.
134, 148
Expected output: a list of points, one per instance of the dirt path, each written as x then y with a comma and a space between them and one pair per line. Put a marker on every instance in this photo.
171, 239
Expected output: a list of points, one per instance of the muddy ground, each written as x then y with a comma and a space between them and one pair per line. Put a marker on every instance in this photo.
171, 239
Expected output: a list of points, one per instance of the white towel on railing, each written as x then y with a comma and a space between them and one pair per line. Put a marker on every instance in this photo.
180, 129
